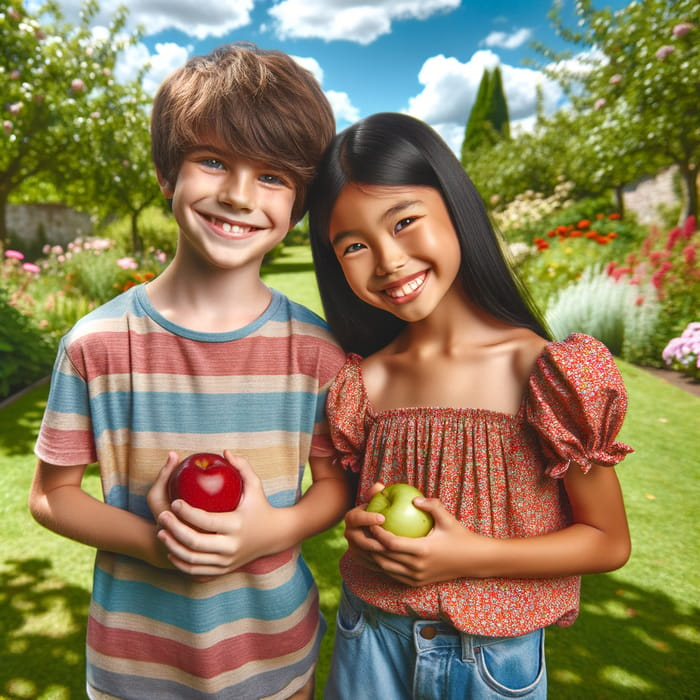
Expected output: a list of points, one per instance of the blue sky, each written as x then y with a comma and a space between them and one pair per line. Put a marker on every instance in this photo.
424, 57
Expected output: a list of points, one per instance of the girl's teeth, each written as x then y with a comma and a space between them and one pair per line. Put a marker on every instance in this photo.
407, 288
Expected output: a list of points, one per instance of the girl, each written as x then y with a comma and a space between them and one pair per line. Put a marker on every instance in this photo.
453, 385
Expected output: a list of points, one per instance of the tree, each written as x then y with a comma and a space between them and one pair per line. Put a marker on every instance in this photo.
473, 133
54, 80
641, 73
496, 112
488, 120
123, 179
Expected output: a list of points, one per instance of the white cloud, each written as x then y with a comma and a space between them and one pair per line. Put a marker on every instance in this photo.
342, 106
311, 65
167, 58
349, 20
451, 86
503, 40
191, 18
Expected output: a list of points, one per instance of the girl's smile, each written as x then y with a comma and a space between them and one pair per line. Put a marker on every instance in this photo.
397, 247
407, 289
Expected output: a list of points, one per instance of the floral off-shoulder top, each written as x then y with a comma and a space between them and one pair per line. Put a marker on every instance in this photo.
496, 472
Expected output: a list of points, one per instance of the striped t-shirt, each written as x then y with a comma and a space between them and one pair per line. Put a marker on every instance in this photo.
128, 385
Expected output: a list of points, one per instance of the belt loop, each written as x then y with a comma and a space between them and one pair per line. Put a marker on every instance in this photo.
467, 647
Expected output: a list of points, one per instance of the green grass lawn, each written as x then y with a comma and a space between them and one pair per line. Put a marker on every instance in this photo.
638, 635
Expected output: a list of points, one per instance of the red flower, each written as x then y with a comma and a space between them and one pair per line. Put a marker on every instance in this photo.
614, 216
584, 223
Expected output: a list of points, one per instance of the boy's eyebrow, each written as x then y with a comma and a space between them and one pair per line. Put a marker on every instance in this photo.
390, 213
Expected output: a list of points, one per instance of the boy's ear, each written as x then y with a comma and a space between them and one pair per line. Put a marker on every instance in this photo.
165, 187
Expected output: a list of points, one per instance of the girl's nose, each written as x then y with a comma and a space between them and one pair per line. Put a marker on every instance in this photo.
390, 258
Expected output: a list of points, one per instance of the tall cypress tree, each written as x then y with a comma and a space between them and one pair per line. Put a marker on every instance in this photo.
488, 120
496, 106
473, 133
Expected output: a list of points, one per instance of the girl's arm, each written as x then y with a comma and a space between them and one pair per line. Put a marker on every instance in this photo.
209, 544
58, 502
597, 540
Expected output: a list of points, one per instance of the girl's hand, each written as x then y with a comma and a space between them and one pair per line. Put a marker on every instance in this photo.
419, 561
208, 544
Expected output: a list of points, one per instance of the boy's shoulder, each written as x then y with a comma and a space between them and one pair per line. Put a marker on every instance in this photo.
109, 316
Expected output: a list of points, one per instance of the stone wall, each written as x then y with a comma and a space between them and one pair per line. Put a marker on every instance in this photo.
645, 195
47, 223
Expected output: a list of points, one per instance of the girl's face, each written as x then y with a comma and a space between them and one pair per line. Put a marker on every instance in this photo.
397, 247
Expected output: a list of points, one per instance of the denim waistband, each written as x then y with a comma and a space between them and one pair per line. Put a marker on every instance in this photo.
426, 634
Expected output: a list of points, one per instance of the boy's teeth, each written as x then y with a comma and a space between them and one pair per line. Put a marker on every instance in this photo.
232, 228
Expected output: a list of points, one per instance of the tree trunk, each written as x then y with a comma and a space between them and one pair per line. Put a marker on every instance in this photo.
3, 219
689, 174
620, 200
136, 242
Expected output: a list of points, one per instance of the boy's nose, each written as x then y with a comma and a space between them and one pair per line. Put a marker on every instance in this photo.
238, 191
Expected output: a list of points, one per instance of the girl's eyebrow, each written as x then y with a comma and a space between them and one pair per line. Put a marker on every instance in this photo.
392, 212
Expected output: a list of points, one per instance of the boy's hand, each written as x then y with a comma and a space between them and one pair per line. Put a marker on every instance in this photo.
157, 497
210, 544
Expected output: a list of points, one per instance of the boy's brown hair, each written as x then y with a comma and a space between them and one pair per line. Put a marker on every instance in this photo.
260, 103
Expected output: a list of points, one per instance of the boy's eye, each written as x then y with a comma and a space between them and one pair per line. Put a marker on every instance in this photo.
272, 180
213, 163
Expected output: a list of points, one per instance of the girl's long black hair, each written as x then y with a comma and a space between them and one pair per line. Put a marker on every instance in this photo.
392, 149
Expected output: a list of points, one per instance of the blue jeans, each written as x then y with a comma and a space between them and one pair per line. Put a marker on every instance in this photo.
380, 656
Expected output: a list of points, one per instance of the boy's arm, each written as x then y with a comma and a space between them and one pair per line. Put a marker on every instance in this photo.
57, 501
208, 544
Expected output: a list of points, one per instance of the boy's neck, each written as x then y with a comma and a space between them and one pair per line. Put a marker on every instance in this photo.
215, 302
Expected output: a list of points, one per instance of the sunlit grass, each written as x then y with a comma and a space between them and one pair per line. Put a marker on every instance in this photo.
638, 635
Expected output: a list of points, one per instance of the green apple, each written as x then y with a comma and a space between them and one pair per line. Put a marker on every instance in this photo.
401, 517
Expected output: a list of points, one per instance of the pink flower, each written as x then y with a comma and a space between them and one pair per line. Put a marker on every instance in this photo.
7, 126
77, 85
682, 29
689, 254
15, 108
599, 103
15, 254
664, 52
616, 79
31, 267
127, 263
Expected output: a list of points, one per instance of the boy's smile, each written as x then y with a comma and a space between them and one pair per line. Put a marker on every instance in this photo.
230, 211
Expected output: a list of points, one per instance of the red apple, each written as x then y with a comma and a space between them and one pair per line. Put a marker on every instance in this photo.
208, 481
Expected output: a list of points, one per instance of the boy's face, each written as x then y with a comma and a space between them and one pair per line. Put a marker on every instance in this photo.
230, 211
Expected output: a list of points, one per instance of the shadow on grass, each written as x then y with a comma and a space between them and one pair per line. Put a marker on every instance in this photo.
37, 660
21, 420
628, 642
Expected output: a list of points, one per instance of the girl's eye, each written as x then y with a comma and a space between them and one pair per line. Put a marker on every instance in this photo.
403, 223
353, 248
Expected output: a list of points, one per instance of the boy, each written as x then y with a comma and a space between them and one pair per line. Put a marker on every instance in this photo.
205, 358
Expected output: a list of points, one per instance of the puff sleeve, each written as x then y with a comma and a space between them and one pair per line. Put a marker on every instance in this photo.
576, 403
346, 408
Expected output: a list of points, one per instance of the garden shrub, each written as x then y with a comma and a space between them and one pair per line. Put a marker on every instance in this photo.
27, 353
